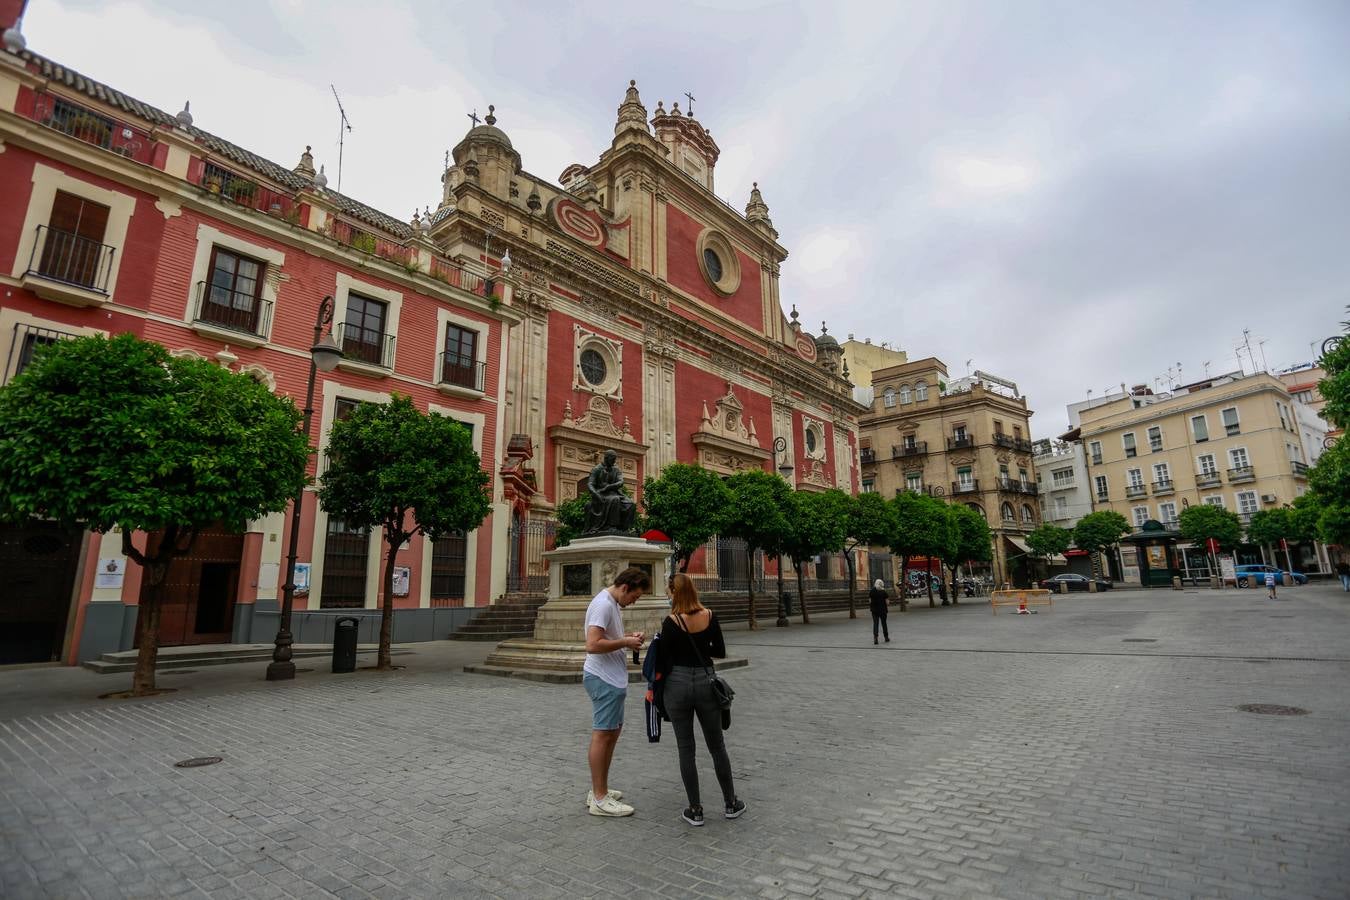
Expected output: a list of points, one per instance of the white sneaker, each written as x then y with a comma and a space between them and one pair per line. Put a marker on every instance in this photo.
608, 806
590, 795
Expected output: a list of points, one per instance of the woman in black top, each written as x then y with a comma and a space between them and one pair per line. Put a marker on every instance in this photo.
690, 638
877, 596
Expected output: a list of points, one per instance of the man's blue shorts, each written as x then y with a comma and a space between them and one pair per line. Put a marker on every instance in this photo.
606, 702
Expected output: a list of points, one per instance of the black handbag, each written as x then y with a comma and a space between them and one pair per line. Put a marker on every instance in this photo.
722, 692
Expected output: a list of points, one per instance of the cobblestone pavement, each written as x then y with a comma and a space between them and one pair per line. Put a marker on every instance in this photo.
1095, 749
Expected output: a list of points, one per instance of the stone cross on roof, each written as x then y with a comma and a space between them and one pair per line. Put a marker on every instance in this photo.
473, 117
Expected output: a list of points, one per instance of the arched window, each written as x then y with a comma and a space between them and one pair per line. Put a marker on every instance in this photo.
1027, 516
888, 397
1007, 512
904, 393
921, 391
977, 507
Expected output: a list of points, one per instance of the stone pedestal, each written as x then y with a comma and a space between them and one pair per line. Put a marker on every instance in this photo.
576, 573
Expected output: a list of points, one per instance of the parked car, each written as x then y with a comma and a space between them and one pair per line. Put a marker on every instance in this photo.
1075, 582
1282, 576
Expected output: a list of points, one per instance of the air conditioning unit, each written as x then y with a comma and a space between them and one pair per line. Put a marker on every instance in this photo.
1268, 498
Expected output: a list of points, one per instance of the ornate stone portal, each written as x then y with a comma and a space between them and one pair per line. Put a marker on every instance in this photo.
726, 442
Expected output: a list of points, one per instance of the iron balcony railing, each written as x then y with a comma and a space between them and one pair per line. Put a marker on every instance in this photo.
70, 259
233, 310
1135, 490
1300, 468
366, 345
1103, 495
457, 276
97, 129
1208, 479
960, 443
1241, 473
462, 371
1015, 443
27, 338
366, 242
245, 191
966, 487
917, 448
867, 455
1163, 486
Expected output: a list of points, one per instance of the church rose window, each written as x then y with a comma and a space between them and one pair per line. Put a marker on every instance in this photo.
593, 367
713, 264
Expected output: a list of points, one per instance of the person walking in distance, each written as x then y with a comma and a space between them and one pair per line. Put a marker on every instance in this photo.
1343, 572
1270, 586
605, 676
878, 599
690, 636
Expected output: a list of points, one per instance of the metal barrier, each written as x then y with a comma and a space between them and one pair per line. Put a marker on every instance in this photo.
1019, 598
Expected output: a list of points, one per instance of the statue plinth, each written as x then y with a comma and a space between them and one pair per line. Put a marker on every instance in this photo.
577, 572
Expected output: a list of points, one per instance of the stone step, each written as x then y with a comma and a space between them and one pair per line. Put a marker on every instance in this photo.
121, 662
488, 636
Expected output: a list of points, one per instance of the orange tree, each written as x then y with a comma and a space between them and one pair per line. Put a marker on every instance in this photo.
756, 515
105, 433
407, 472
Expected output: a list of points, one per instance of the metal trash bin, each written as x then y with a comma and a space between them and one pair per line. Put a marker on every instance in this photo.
344, 644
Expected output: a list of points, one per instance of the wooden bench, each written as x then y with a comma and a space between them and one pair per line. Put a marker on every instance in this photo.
1030, 596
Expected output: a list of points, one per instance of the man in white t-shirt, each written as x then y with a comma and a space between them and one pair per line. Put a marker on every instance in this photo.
605, 676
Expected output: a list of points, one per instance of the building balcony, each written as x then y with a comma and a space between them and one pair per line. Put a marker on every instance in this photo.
461, 374
1013, 443
917, 448
93, 128
231, 315
1135, 490
867, 456
1063, 485
965, 442
364, 349
221, 182
68, 268
1240, 474
1208, 479
1103, 497
1163, 486
1300, 469
966, 487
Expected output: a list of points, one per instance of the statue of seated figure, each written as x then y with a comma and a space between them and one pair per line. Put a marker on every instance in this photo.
609, 510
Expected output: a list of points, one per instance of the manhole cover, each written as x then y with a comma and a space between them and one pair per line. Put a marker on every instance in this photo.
1140, 641
1272, 709
197, 762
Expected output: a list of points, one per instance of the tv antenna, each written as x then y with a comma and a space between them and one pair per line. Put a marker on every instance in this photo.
343, 128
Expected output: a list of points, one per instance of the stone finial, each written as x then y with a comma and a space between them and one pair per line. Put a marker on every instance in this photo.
321, 180
534, 201
305, 167
675, 108
184, 117
632, 114
796, 325
757, 213
416, 222
13, 36
490, 119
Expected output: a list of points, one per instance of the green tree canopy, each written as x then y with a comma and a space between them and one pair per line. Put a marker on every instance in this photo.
1049, 540
407, 472
757, 514
1328, 499
571, 518
1201, 522
869, 524
1269, 526
817, 523
971, 538
115, 432
687, 503
1100, 530
922, 528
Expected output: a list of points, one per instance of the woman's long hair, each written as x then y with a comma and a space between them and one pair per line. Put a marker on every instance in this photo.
684, 596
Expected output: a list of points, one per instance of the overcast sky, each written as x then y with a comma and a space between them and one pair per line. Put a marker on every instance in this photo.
1072, 195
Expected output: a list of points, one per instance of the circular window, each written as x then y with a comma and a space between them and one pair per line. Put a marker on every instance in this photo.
810, 440
713, 264
593, 367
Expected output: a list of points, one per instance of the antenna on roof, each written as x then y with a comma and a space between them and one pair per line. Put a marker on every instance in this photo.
343, 128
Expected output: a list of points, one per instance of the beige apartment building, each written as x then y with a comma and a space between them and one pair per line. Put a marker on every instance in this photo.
1231, 441
966, 440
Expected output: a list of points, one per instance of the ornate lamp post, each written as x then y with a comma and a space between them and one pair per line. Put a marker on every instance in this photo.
324, 354
784, 469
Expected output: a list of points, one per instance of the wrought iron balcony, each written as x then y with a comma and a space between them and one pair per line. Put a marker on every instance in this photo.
918, 448
232, 310
366, 345
966, 487
462, 371
1002, 440
1163, 486
1300, 468
1239, 474
1208, 479
70, 259
242, 191
94, 128
867, 456
960, 443
1135, 490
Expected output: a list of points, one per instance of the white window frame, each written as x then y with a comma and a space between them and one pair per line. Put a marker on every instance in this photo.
1140, 514
1095, 452
1006, 512
1211, 469
1134, 478
1129, 445
888, 397
969, 475
1164, 516
914, 481
1214, 500
344, 286
1155, 440
1233, 453
1236, 427
208, 239
611, 349
905, 395
446, 317
1247, 502
1161, 472
1204, 426
1060, 477
1103, 486
920, 391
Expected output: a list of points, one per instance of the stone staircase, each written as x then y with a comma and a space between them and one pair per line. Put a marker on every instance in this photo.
192, 657
511, 617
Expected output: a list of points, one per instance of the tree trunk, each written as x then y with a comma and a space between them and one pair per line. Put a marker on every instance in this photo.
750, 588
928, 580
382, 662
904, 581
955, 588
147, 628
801, 592
852, 577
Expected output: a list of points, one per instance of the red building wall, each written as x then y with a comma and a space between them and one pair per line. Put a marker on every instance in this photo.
694, 387
682, 271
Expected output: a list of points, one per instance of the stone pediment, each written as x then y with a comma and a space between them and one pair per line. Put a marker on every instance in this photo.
725, 440
581, 441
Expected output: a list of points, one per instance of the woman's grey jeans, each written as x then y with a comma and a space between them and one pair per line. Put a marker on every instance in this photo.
689, 694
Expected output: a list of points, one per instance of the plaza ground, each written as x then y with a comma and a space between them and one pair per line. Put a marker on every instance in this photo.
1094, 749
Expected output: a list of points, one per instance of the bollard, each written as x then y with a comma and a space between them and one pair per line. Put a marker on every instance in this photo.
1092, 585
344, 644
1063, 587
1176, 582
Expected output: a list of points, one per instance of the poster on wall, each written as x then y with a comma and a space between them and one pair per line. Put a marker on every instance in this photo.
402, 576
302, 578
1129, 568
110, 572
1157, 557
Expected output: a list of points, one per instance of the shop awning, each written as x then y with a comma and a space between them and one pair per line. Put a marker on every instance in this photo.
1017, 542
1057, 559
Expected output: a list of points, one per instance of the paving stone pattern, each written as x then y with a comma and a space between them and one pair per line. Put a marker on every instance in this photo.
975, 756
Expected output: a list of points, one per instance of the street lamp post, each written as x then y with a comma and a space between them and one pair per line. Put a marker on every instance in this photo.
324, 354
784, 469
